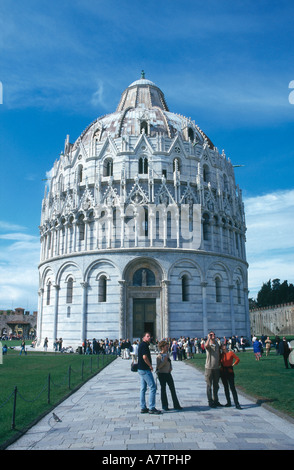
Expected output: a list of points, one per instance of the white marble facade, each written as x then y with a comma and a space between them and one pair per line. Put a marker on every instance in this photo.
142, 227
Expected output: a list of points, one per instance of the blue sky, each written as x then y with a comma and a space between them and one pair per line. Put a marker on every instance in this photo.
225, 64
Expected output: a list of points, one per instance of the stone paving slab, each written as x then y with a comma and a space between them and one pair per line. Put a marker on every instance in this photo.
105, 415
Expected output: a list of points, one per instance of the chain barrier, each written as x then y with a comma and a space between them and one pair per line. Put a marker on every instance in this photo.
49, 382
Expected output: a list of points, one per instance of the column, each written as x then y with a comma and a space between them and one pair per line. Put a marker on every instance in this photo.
165, 313
122, 309
84, 310
86, 242
122, 227
40, 315
66, 228
231, 290
55, 321
204, 309
96, 236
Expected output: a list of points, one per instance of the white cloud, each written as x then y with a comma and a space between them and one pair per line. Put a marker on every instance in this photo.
270, 247
19, 259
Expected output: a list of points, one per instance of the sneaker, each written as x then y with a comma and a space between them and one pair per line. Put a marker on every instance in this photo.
238, 407
154, 411
228, 405
144, 410
165, 408
217, 403
178, 408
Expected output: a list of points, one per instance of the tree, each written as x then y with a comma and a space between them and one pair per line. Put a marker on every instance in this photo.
274, 293
264, 296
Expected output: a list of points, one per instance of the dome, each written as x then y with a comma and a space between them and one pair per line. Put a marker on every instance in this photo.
143, 108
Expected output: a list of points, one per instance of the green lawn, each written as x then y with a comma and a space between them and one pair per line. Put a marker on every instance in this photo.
30, 374
267, 380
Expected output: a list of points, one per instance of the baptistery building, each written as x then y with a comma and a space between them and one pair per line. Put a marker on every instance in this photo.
142, 228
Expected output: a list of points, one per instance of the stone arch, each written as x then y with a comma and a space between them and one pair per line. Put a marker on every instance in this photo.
184, 260
48, 271
62, 269
102, 262
142, 262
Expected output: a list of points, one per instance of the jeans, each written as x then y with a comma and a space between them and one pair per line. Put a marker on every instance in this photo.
228, 380
147, 379
167, 379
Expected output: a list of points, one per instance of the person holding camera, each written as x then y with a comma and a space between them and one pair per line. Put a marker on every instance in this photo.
212, 370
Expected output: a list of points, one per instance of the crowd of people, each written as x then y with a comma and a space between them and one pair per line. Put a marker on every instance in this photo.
221, 359
282, 347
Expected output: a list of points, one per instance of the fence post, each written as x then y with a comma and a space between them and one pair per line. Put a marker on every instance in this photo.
48, 399
14, 408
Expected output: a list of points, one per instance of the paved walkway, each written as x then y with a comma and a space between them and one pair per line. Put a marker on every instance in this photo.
105, 415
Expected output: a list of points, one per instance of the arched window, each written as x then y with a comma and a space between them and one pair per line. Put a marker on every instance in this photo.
144, 127
145, 222
206, 174
143, 165
80, 174
238, 292
218, 289
81, 225
109, 167
48, 292
191, 134
60, 184
205, 227
102, 289
185, 288
69, 291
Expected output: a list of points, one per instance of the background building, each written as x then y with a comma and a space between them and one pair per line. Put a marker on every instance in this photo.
143, 227
17, 323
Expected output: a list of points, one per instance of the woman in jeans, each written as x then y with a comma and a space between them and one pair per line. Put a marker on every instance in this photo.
164, 368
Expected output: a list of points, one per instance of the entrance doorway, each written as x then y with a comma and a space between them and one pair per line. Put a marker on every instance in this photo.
144, 317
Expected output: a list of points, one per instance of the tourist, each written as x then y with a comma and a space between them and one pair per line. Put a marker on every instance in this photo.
23, 347
174, 350
268, 345
243, 343
134, 352
45, 344
212, 370
145, 370
257, 349
164, 368
284, 350
228, 360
